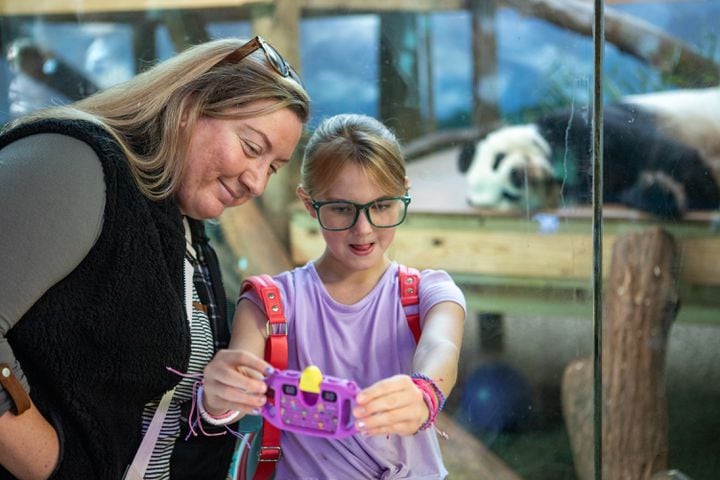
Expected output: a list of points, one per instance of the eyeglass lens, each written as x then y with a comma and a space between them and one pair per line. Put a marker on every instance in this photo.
276, 60
342, 215
279, 63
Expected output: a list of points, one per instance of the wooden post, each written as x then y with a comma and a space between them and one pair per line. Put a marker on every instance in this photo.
253, 242
639, 306
399, 72
279, 24
485, 62
577, 406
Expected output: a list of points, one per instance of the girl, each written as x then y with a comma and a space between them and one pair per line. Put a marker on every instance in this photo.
344, 315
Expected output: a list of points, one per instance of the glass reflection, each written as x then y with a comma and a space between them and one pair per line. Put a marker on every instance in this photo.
493, 103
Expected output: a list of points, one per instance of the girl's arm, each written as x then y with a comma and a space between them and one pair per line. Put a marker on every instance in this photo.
234, 377
438, 352
395, 404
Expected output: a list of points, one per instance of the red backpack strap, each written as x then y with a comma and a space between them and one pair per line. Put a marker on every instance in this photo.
409, 284
276, 328
276, 354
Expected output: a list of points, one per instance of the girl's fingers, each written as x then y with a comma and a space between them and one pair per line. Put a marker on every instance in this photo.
401, 422
383, 388
394, 405
234, 380
389, 394
238, 369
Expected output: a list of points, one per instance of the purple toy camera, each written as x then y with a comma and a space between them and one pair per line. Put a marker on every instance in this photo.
308, 402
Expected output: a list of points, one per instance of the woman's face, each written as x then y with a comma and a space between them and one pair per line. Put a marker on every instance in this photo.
230, 161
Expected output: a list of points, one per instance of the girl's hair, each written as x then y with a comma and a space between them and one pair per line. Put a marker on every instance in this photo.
145, 113
352, 138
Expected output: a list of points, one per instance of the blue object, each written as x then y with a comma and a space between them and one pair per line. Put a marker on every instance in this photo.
495, 398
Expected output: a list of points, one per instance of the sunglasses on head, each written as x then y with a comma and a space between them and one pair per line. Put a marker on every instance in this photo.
277, 62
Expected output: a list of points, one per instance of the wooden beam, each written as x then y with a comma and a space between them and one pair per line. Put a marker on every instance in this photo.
63, 7
51, 7
632, 35
504, 252
384, 5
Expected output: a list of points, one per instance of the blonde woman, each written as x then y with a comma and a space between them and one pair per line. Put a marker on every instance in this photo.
101, 239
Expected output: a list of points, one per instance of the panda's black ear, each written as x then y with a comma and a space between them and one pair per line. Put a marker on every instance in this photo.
467, 153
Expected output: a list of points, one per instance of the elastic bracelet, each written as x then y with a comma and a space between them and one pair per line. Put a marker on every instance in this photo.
430, 400
427, 397
224, 419
438, 393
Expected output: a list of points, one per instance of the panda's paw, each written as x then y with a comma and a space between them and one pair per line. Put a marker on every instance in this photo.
658, 194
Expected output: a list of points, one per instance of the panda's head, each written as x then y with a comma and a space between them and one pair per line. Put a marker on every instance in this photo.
510, 169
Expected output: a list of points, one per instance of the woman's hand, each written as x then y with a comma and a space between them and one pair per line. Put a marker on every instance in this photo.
29, 445
392, 405
234, 381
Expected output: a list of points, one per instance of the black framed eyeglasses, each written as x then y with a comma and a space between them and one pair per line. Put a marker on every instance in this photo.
278, 63
336, 215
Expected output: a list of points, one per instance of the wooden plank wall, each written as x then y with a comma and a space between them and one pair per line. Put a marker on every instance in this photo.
506, 251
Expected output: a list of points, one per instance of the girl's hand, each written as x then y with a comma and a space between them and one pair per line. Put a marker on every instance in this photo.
234, 381
392, 405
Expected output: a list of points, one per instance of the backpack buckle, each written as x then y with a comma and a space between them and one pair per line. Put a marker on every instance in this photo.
275, 328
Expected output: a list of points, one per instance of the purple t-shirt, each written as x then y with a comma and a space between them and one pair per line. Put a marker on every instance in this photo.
365, 342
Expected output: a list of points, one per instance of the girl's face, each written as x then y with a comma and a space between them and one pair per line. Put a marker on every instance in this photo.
363, 246
230, 161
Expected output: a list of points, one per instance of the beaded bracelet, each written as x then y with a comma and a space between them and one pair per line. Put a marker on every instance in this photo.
438, 393
224, 419
430, 403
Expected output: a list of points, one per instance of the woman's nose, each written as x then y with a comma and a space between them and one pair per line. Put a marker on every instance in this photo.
255, 179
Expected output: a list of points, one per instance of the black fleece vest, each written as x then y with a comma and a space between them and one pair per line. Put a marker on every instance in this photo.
96, 346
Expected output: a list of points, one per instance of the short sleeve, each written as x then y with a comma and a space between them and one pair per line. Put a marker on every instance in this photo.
437, 286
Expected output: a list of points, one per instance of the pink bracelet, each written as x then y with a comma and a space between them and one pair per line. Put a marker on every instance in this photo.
439, 395
224, 419
430, 401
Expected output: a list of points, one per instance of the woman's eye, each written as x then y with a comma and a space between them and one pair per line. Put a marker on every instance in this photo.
252, 149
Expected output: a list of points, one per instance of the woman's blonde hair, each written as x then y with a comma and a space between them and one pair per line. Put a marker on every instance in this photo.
145, 113
352, 138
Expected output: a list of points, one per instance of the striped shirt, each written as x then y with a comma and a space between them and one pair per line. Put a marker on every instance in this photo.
202, 349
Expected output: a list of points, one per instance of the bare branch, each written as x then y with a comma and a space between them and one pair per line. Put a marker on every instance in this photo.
631, 35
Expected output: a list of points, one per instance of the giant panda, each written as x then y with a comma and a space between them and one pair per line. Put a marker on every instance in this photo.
661, 156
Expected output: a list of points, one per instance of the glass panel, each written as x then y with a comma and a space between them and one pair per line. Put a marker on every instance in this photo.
492, 101
656, 301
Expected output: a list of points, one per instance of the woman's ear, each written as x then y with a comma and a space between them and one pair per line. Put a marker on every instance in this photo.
407, 183
306, 200
185, 109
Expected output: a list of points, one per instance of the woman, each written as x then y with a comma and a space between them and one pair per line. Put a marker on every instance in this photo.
98, 257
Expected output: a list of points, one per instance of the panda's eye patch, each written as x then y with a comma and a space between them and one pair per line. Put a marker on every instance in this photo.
498, 158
